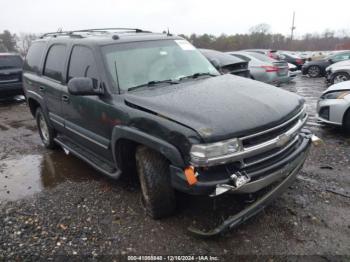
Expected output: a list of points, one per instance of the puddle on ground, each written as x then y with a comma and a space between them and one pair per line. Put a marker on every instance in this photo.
23, 176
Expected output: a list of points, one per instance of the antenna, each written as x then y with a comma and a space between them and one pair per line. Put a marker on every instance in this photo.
293, 27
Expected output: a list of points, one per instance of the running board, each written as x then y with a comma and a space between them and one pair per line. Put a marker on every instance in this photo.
96, 162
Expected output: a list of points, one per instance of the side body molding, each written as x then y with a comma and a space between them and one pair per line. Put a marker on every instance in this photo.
133, 134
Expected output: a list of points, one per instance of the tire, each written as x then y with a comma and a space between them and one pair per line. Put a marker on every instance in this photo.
314, 71
346, 122
340, 77
47, 133
157, 193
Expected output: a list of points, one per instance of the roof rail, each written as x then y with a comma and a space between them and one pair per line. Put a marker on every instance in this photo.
75, 33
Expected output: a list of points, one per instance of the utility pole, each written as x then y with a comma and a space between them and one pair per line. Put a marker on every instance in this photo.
293, 27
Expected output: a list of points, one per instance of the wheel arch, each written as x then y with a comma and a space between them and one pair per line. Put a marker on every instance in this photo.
346, 114
126, 139
336, 73
33, 105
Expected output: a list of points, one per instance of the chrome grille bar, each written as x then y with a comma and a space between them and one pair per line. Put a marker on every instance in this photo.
276, 127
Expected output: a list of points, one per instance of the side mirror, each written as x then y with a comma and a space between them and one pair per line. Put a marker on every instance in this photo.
83, 86
330, 60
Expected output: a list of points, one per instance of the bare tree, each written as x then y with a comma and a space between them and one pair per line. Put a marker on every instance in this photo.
24, 40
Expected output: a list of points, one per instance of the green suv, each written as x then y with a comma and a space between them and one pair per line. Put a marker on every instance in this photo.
129, 100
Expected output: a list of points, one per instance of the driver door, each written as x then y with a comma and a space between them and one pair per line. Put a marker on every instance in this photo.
84, 115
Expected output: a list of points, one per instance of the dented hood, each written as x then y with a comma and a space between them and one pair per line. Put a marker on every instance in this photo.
219, 107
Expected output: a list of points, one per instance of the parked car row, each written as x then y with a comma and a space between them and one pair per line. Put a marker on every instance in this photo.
255, 65
10, 75
318, 68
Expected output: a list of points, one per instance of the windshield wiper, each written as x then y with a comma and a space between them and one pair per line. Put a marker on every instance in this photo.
153, 83
196, 75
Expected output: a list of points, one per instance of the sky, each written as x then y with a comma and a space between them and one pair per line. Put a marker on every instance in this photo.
180, 16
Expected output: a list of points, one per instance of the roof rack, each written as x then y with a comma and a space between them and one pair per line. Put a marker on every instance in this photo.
75, 33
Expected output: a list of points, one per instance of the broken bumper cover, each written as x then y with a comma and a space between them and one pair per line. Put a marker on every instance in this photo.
282, 176
256, 207
274, 172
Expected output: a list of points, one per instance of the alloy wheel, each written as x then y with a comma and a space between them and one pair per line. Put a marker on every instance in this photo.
340, 78
314, 71
43, 128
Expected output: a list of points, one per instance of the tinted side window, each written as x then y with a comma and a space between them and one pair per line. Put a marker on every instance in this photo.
55, 60
34, 56
82, 64
340, 57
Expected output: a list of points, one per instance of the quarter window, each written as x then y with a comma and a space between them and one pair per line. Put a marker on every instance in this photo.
82, 64
54, 65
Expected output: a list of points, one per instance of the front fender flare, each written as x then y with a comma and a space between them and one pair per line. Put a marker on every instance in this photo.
168, 150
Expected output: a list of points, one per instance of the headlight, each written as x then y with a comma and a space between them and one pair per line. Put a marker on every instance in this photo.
203, 152
335, 95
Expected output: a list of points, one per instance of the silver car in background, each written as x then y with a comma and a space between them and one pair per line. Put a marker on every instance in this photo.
338, 72
264, 68
333, 107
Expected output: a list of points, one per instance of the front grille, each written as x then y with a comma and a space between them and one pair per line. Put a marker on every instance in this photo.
10, 78
261, 137
264, 159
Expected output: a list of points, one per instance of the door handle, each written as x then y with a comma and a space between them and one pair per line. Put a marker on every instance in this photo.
65, 98
41, 88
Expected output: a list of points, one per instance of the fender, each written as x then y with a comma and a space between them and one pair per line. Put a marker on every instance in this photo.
133, 134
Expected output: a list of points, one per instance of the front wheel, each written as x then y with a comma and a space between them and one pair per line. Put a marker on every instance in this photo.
314, 71
340, 77
154, 174
46, 132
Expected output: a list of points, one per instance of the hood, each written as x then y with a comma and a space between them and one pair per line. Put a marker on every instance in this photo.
338, 87
219, 107
341, 64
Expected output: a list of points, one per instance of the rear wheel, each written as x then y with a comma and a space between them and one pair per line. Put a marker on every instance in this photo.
46, 132
340, 77
154, 174
314, 71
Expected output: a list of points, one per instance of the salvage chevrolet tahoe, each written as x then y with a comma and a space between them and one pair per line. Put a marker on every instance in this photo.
127, 99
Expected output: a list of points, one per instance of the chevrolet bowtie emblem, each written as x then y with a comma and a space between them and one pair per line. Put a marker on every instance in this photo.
283, 139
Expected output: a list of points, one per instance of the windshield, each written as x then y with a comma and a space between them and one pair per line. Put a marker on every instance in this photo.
138, 63
10, 61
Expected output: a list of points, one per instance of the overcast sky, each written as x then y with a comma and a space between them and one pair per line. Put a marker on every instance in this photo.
181, 16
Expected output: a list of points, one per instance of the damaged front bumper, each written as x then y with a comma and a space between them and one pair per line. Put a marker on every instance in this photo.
258, 205
281, 172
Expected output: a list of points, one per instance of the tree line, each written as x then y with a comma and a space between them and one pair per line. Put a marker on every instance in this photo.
259, 36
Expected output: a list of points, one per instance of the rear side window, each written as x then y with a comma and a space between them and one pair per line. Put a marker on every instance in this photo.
34, 57
82, 64
55, 61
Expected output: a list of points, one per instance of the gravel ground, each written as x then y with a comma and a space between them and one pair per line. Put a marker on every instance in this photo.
52, 204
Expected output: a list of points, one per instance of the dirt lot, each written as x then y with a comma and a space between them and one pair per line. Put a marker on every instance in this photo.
53, 204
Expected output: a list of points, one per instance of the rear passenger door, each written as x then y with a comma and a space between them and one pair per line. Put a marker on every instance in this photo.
84, 114
52, 84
